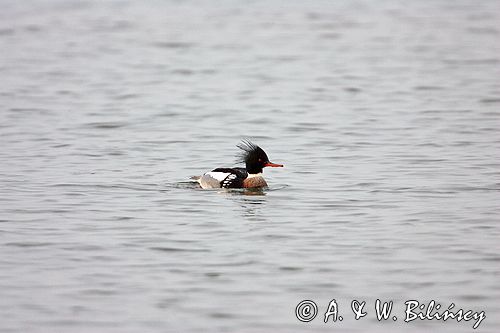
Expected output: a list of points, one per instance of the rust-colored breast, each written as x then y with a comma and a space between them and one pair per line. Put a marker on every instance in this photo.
254, 182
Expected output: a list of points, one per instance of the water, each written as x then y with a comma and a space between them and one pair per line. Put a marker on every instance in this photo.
384, 113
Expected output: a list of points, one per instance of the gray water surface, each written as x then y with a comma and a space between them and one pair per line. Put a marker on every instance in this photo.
386, 115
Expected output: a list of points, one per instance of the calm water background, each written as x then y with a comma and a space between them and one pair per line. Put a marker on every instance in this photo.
386, 115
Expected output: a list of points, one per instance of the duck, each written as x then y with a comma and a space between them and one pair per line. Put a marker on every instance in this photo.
255, 159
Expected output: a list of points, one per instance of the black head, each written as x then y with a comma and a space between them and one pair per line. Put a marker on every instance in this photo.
254, 157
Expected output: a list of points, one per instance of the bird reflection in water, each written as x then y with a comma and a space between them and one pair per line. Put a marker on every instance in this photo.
252, 202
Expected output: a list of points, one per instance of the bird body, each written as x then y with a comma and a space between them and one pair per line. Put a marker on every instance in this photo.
249, 177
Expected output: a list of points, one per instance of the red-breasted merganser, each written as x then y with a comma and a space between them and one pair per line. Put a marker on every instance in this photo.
250, 177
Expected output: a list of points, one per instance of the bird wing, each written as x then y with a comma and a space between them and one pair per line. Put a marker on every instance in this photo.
229, 177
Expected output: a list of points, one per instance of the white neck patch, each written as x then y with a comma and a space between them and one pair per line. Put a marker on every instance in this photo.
252, 175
